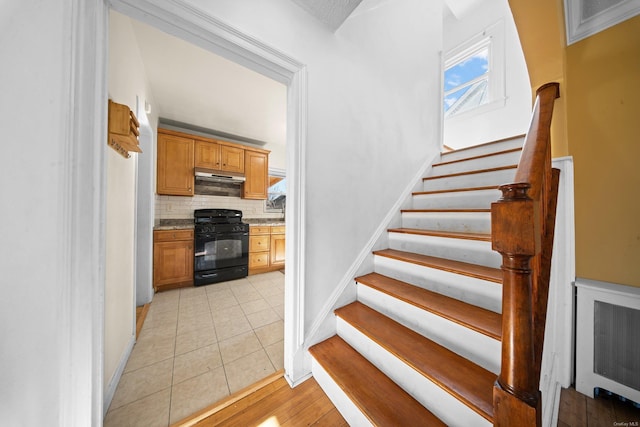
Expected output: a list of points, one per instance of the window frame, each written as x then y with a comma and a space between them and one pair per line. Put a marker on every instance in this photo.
493, 38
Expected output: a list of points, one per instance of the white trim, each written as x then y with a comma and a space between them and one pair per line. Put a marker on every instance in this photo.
115, 379
194, 26
563, 273
557, 356
82, 258
492, 37
578, 28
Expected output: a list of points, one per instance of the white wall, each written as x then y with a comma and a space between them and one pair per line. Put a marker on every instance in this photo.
373, 118
510, 118
51, 188
126, 81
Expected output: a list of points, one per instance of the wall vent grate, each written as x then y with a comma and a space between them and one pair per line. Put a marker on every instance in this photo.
617, 343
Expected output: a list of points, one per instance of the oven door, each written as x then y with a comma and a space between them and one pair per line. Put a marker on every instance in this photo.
221, 250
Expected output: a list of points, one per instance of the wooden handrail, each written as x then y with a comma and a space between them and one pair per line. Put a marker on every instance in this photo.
522, 226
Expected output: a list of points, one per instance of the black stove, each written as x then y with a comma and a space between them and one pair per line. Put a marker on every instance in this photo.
221, 246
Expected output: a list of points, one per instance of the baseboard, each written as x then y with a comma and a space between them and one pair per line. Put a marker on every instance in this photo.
115, 379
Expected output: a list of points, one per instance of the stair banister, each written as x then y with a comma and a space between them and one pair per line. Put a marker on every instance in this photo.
522, 224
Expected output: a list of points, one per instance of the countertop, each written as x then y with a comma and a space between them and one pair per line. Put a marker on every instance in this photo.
185, 224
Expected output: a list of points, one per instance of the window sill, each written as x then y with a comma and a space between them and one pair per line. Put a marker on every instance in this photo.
483, 109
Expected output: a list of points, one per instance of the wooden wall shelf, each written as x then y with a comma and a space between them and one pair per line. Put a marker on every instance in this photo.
123, 130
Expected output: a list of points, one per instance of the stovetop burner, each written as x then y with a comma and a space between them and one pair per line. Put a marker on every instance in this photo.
217, 216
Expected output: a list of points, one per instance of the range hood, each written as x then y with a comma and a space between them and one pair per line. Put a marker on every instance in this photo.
218, 176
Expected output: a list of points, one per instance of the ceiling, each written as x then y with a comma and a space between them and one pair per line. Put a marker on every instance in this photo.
194, 86
331, 12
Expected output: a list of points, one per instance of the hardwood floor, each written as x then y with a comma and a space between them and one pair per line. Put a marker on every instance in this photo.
578, 410
271, 402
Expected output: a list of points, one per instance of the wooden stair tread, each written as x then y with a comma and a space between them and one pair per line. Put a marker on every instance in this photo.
485, 144
494, 153
450, 234
448, 210
500, 168
462, 378
381, 400
455, 190
459, 267
476, 318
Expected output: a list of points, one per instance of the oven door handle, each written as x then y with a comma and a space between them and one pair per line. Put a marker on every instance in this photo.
200, 253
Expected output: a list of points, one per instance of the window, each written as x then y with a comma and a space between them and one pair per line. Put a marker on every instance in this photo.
466, 80
276, 194
474, 73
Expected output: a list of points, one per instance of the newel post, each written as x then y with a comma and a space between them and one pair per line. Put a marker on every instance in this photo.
516, 237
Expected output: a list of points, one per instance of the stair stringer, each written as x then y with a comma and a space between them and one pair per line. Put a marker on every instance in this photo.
324, 325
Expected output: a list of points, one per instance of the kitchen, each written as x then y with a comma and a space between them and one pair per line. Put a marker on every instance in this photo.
196, 337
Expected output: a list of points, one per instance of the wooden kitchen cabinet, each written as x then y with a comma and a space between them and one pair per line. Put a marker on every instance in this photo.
172, 259
266, 248
175, 165
179, 153
277, 246
256, 172
212, 155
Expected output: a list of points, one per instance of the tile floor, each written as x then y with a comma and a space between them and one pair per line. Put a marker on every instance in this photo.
199, 345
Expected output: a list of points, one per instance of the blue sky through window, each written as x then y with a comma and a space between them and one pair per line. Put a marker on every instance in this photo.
459, 77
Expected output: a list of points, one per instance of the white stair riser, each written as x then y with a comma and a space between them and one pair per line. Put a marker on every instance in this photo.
495, 161
442, 404
471, 290
338, 397
468, 222
479, 348
482, 149
477, 199
471, 251
483, 179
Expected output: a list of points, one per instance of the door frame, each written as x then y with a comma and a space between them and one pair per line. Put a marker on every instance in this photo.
192, 25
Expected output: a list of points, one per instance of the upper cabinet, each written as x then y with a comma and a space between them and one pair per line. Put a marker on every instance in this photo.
179, 153
175, 165
213, 155
257, 171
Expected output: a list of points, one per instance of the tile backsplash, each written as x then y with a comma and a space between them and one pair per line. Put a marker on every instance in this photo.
180, 207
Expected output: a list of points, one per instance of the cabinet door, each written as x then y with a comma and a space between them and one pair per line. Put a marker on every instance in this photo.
277, 249
207, 155
172, 263
175, 165
256, 170
232, 159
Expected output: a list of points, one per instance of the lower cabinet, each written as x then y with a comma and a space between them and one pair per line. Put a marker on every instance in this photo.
172, 259
276, 246
266, 248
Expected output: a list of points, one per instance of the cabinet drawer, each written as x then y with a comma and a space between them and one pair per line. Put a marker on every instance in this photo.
259, 230
258, 243
259, 259
172, 235
277, 229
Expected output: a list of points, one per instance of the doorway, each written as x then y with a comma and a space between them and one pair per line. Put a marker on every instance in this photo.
216, 38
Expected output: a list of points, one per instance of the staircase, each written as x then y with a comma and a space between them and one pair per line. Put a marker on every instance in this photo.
422, 341
422, 344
